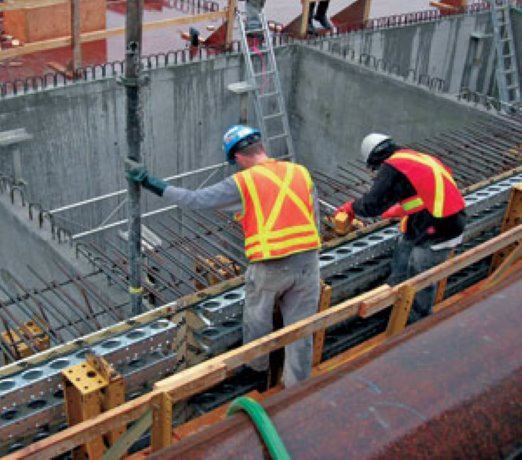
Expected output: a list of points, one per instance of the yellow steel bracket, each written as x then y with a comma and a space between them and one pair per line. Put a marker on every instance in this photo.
401, 310
90, 388
512, 218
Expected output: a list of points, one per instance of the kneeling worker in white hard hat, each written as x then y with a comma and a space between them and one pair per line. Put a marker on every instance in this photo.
278, 210
420, 190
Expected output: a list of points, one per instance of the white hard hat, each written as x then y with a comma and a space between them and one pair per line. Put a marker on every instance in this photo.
370, 142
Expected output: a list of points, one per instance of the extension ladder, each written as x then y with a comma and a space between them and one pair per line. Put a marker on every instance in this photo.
506, 71
263, 77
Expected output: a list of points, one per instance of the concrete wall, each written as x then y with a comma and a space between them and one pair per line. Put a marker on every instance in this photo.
458, 49
334, 104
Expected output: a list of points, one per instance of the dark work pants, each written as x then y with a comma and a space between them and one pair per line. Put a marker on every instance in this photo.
410, 260
321, 9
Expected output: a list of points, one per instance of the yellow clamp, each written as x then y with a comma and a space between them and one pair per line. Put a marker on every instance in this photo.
135, 290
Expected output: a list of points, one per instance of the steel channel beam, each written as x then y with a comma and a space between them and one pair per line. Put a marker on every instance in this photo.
44, 379
48, 409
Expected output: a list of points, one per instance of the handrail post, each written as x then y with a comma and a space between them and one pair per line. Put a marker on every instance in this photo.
161, 432
400, 310
304, 18
231, 12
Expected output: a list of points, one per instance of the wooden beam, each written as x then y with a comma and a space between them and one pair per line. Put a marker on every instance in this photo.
76, 48
106, 33
324, 304
441, 286
512, 217
444, 6
304, 18
208, 373
231, 17
401, 310
161, 431
12, 5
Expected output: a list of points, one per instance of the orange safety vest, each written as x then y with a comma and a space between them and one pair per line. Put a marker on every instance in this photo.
278, 212
436, 189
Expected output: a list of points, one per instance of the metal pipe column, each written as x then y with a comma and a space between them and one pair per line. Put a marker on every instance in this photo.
133, 37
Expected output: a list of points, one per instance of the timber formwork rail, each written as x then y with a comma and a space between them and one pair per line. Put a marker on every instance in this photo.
155, 408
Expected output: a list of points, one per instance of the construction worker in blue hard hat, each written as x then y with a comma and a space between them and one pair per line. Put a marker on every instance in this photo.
276, 204
420, 190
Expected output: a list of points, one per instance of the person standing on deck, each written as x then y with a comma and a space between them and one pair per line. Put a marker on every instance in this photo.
277, 207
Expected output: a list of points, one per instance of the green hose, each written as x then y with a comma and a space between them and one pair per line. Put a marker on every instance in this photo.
264, 425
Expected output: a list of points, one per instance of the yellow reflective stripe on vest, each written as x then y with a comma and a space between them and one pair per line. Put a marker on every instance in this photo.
415, 203
260, 218
284, 192
283, 244
439, 173
282, 233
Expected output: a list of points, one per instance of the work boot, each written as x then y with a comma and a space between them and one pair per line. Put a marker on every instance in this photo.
323, 20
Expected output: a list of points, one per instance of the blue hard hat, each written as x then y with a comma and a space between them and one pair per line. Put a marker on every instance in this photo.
237, 138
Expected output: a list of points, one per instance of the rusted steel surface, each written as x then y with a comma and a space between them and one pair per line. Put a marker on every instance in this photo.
449, 387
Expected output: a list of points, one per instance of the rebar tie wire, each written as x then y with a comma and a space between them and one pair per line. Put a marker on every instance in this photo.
264, 425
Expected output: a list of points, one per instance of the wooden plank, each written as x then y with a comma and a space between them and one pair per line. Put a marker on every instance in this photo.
230, 17
498, 275
441, 287
303, 30
324, 303
512, 217
444, 6
13, 5
161, 431
401, 310
129, 438
75, 36
106, 33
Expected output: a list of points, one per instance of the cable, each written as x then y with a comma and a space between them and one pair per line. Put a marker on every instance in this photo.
264, 425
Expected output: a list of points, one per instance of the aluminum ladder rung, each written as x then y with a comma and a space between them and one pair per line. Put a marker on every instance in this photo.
277, 136
272, 116
258, 51
265, 95
264, 74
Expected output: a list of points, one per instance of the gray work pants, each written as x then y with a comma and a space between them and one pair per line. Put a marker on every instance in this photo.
294, 283
409, 260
